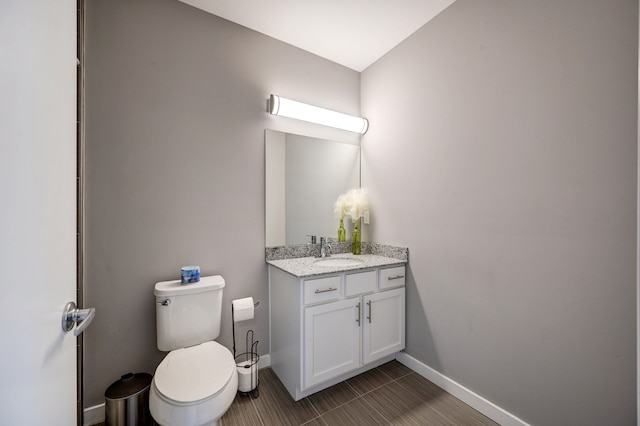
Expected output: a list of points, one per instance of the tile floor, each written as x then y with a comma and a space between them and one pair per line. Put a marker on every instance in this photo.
389, 394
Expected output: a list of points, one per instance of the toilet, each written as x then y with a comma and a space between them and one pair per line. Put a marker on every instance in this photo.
197, 381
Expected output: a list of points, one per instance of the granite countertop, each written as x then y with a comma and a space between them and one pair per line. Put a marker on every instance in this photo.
305, 267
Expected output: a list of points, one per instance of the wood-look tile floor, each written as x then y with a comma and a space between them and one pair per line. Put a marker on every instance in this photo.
391, 394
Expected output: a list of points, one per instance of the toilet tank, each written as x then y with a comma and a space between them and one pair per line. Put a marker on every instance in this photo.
188, 314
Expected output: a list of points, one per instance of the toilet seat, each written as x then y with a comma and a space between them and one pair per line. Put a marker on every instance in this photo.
189, 375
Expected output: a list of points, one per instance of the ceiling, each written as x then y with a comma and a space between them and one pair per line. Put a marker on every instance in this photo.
354, 33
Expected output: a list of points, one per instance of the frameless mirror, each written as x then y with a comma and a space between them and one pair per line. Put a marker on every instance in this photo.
303, 178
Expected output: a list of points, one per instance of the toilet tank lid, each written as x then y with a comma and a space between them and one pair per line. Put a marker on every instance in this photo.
175, 287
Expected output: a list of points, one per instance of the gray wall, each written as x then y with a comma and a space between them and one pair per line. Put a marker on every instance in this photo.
176, 102
502, 152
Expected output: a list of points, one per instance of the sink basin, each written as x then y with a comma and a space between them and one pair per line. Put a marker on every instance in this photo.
338, 261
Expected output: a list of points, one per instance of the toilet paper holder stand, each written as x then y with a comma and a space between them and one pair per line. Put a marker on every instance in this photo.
246, 362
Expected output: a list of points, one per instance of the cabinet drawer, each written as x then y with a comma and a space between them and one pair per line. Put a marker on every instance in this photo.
322, 289
392, 277
363, 282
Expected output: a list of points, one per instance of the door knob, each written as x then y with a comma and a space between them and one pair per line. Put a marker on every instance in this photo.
72, 315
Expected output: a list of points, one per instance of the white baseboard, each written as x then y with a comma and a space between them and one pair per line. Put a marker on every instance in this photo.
467, 396
94, 415
265, 361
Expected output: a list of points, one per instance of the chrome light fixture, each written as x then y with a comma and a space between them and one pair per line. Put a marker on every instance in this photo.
313, 114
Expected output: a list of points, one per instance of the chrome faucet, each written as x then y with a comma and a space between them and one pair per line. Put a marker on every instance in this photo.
325, 249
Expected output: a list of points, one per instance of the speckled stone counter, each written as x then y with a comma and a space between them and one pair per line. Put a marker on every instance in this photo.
309, 250
304, 267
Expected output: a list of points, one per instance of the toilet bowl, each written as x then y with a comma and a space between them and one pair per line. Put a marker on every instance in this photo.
193, 386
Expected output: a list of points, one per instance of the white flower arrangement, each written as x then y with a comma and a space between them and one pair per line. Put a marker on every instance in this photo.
354, 204
341, 207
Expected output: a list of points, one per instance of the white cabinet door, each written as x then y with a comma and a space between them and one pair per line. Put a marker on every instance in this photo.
383, 324
332, 340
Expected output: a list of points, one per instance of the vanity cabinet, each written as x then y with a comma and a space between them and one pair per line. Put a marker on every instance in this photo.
329, 328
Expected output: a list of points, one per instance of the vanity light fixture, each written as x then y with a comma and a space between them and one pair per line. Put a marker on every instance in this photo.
313, 114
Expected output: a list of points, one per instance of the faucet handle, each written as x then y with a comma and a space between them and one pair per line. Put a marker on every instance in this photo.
312, 239
325, 249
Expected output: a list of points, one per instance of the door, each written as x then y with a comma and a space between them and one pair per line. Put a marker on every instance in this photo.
383, 322
37, 210
331, 340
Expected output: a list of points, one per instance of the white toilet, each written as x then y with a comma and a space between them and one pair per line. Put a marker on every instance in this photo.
197, 381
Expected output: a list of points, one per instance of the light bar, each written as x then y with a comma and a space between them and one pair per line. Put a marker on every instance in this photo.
313, 114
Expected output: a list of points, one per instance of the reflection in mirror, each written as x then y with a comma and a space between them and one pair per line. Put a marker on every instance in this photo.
304, 177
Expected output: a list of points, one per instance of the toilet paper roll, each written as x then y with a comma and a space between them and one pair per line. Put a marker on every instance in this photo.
247, 376
242, 309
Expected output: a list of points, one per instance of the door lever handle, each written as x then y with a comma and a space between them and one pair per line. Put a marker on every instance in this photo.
71, 315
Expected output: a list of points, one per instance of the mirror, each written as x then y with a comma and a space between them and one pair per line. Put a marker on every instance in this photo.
303, 178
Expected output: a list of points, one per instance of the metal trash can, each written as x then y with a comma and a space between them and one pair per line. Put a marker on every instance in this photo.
127, 401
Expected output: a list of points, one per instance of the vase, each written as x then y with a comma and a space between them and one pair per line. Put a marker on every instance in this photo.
342, 234
356, 244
